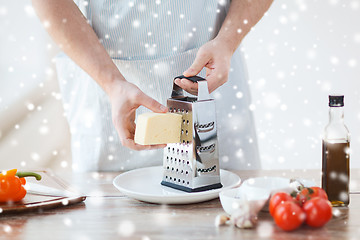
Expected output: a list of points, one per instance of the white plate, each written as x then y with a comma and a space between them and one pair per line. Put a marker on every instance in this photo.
144, 184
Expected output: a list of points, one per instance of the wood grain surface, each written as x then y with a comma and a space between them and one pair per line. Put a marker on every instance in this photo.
107, 214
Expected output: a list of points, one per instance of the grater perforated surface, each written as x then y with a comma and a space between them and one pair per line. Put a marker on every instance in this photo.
178, 167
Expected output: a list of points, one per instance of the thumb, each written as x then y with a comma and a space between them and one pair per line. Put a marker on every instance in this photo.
152, 104
199, 63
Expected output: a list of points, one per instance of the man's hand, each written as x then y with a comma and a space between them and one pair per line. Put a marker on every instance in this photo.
125, 98
215, 56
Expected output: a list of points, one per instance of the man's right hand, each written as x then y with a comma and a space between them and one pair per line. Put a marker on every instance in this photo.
125, 98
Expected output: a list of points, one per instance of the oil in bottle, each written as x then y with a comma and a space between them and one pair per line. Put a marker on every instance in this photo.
336, 154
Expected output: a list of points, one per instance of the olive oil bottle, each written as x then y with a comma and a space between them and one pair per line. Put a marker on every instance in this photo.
336, 154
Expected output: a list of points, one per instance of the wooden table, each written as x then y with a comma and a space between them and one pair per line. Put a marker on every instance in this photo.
107, 214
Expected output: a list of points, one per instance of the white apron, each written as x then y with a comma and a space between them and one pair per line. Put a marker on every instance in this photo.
151, 42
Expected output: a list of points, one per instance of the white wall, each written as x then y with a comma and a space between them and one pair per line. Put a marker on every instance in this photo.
24, 48
299, 53
33, 130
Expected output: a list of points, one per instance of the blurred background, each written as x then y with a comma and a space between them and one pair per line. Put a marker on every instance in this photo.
298, 54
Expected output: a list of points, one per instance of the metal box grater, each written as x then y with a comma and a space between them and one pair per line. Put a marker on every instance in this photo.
193, 164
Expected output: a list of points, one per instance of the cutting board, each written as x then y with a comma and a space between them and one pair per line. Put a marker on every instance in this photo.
33, 202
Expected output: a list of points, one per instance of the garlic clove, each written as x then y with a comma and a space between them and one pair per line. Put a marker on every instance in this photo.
221, 220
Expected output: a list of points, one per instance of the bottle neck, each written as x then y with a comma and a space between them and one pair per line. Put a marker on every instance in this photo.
336, 114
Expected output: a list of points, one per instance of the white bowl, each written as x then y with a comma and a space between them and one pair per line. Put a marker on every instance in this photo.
237, 198
271, 184
276, 184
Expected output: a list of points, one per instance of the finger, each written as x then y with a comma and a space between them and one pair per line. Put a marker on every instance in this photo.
216, 79
152, 104
187, 85
199, 63
129, 143
213, 83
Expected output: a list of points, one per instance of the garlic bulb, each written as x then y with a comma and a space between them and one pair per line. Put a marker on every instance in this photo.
242, 217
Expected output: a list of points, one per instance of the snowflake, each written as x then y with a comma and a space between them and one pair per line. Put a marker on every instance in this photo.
67, 222
352, 62
29, 10
354, 5
222, 2
64, 164
311, 54
240, 153
271, 100
357, 37
333, 2
336, 212
44, 130
283, 19
225, 158
161, 69
334, 60
239, 95
217, 95
136, 23
302, 5
35, 156
3, 10
7, 228
46, 24
126, 228
283, 107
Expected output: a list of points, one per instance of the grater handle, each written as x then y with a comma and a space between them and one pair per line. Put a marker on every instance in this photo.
192, 78
203, 91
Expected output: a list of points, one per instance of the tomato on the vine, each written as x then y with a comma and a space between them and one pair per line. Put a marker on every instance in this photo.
276, 199
318, 211
309, 193
289, 216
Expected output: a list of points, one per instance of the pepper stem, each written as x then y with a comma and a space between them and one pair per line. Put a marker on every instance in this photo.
28, 174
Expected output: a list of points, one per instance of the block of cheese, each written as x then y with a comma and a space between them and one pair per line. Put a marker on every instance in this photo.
158, 128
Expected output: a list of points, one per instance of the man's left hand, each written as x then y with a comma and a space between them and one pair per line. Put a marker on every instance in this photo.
215, 56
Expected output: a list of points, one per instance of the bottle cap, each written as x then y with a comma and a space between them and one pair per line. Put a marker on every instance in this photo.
336, 100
